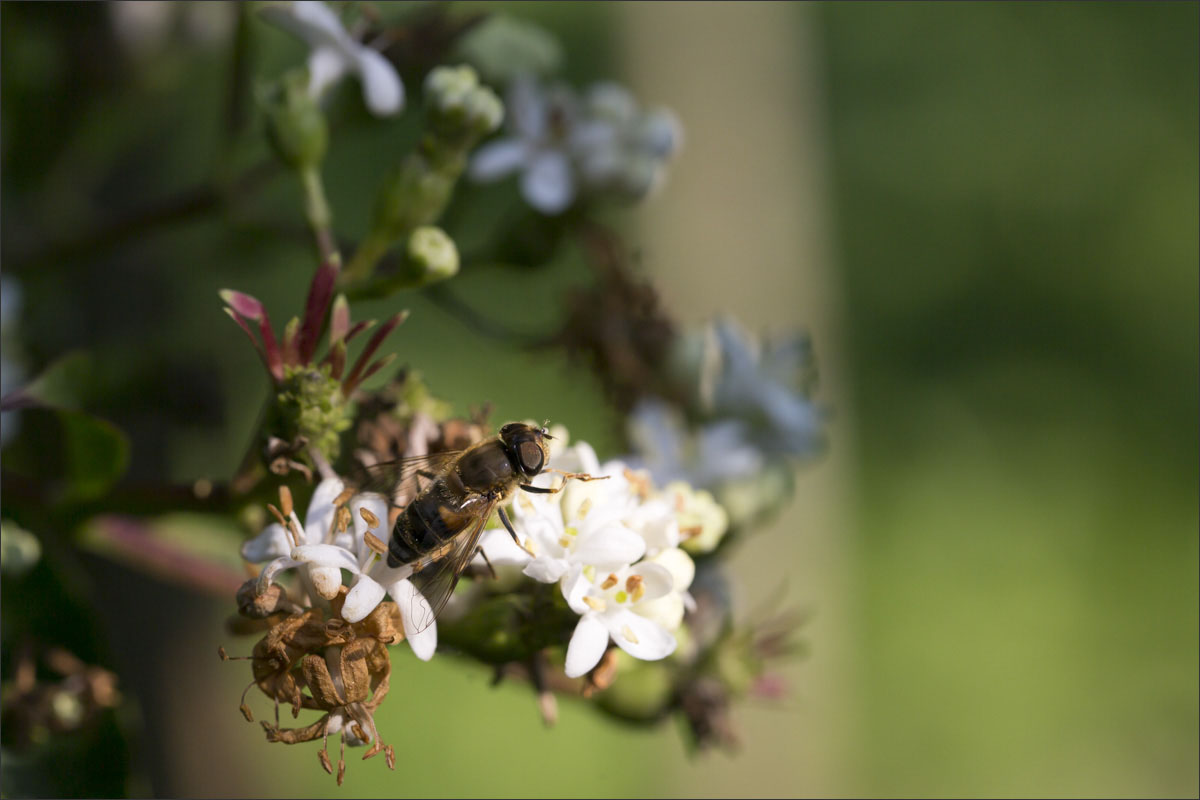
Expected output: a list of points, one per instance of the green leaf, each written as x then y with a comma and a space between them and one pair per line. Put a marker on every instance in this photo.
65, 383
79, 455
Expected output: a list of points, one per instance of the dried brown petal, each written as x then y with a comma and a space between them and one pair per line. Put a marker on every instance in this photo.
389, 755
320, 682
296, 735
352, 661
272, 600
323, 756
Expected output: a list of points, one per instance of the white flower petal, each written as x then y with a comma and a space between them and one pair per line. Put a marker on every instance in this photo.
326, 66
382, 574
608, 547
501, 549
326, 580
267, 576
667, 611
320, 23
656, 522
680, 566
656, 579
497, 159
574, 587
310, 21
546, 570
527, 107
326, 555
319, 519
273, 542
413, 607
547, 182
587, 645
612, 101
365, 593
640, 637
382, 90
660, 133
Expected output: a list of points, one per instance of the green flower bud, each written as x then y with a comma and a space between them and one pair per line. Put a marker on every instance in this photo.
461, 110
413, 194
642, 690
296, 127
310, 404
502, 47
431, 256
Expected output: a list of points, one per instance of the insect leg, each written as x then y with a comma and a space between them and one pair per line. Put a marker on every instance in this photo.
579, 476
509, 527
487, 561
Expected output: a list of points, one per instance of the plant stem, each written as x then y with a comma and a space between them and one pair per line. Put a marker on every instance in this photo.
320, 218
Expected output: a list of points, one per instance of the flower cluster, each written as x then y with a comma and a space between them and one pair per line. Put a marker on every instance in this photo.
566, 146
613, 544
752, 400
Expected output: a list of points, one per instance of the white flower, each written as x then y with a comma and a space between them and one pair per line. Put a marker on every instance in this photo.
335, 53
580, 525
539, 146
765, 383
374, 577
323, 552
564, 146
715, 453
617, 605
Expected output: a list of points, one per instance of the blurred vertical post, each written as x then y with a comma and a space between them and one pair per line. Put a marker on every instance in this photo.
742, 227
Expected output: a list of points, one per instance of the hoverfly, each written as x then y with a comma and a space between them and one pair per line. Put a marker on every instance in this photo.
437, 532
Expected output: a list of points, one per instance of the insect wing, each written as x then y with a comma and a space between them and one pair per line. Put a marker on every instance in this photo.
436, 580
402, 479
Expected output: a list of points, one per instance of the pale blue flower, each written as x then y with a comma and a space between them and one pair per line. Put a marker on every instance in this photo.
335, 54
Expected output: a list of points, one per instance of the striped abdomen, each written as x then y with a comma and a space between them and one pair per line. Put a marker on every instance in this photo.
433, 519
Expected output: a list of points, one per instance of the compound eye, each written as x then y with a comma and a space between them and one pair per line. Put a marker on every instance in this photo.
531, 457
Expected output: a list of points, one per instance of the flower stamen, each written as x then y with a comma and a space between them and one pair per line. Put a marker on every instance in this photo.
627, 632
594, 603
285, 500
369, 518
609, 582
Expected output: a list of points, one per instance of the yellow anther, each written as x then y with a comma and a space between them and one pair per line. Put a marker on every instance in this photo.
609, 582
633, 582
571, 530
585, 507
589, 572
285, 500
638, 592
565, 541
594, 603
627, 632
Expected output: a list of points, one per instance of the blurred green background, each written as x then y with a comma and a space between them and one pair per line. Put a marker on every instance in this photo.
986, 213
